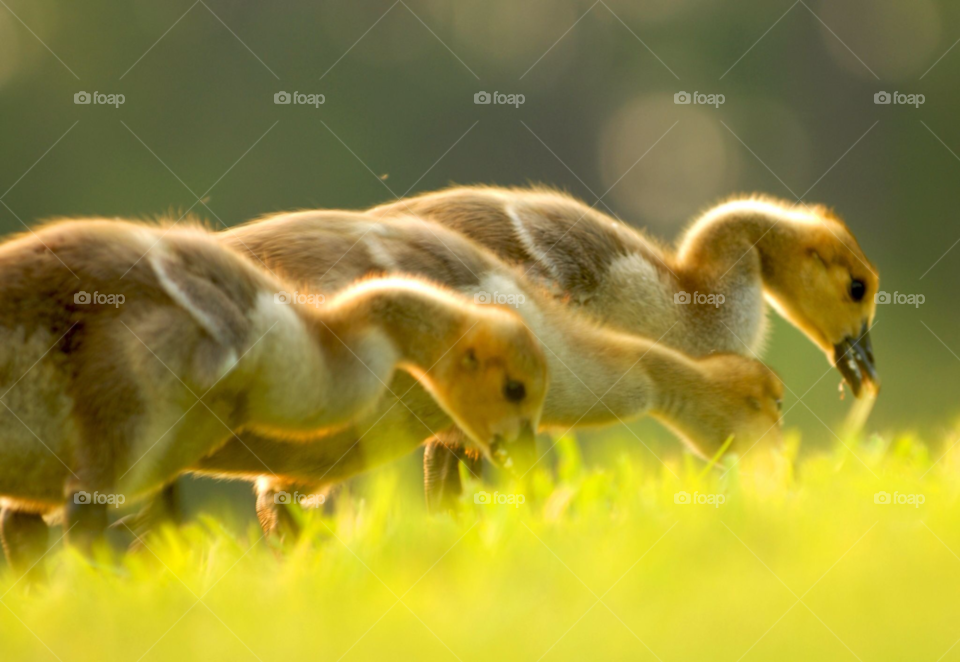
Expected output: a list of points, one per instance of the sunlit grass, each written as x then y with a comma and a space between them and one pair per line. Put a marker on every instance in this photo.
797, 563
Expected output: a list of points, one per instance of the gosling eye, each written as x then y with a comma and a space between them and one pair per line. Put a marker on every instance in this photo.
514, 391
469, 360
779, 404
857, 289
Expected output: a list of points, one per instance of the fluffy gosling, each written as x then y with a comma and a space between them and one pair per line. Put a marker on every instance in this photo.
704, 400
129, 352
804, 261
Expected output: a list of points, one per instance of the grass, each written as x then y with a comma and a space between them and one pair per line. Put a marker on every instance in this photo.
797, 563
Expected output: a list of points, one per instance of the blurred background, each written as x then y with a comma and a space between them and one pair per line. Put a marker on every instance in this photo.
198, 120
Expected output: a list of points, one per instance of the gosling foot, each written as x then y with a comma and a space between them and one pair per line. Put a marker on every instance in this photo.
25, 542
275, 517
85, 522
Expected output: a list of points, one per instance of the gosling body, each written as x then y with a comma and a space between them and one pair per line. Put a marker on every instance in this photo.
130, 351
703, 400
709, 295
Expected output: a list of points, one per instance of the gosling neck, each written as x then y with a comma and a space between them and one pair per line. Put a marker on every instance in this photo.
418, 324
597, 375
731, 260
678, 388
735, 245
677, 383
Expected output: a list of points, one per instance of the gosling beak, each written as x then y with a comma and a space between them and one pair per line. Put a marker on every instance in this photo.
854, 359
517, 455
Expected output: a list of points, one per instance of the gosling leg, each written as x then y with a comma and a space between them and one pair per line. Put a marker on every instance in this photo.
441, 475
276, 520
86, 522
25, 542
162, 508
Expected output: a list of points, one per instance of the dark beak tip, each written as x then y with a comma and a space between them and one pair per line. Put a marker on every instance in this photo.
856, 387
853, 357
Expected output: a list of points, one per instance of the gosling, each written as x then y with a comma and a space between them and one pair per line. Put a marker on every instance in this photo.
128, 352
704, 400
804, 261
